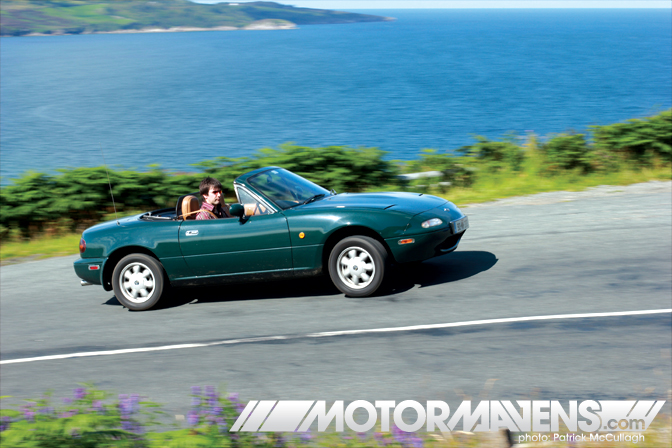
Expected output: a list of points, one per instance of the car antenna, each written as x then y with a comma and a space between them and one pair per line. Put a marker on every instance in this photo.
109, 183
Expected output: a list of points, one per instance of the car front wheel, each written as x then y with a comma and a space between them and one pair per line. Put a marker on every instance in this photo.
357, 265
138, 281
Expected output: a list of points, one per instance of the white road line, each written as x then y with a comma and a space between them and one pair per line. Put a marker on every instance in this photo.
338, 333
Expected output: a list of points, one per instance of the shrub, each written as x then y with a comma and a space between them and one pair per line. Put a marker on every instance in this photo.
638, 139
567, 152
495, 156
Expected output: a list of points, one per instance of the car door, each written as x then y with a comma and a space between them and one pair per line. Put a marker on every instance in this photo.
230, 246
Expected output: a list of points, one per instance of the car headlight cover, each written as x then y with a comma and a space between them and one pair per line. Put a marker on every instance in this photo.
431, 223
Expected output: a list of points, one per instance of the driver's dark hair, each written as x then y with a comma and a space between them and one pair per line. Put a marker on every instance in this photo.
208, 182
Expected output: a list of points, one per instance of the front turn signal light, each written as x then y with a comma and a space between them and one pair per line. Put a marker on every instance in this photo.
431, 223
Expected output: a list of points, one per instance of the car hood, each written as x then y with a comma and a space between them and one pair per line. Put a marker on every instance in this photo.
113, 223
412, 203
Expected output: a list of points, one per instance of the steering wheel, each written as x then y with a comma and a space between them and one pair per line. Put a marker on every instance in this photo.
295, 195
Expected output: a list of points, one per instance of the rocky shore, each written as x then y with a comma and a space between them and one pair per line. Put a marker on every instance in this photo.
268, 24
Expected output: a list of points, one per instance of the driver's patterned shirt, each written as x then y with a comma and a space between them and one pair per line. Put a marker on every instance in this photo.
218, 211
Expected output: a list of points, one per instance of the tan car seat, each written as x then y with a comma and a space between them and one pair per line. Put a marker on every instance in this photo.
190, 207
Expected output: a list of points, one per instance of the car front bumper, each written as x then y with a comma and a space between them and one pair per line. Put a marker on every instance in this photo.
424, 246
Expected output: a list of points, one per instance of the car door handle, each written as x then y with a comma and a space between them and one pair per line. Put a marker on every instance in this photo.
192, 232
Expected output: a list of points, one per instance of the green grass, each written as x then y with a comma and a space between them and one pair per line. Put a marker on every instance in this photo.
507, 185
39, 248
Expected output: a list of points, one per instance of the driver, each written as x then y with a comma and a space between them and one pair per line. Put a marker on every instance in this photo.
213, 206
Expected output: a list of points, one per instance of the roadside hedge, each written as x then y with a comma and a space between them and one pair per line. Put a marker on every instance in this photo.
79, 197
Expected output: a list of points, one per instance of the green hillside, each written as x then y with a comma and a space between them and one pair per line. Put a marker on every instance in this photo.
21, 17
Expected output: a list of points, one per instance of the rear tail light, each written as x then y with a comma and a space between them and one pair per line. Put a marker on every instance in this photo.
82, 246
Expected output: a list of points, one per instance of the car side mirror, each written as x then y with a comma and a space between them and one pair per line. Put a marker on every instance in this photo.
237, 210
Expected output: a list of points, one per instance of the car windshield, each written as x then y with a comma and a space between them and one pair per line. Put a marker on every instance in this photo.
286, 189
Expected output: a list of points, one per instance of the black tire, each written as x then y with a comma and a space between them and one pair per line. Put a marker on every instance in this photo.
142, 284
359, 273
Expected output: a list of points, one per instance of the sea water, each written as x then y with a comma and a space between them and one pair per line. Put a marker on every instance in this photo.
430, 79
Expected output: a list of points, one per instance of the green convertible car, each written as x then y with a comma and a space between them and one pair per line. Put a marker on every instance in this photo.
283, 226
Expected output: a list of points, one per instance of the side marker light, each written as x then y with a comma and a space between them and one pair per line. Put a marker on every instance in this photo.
407, 241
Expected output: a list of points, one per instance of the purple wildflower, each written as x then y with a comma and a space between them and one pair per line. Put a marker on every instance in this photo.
4, 423
221, 424
47, 410
209, 419
233, 397
29, 415
306, 436
196, 390
239, 407
362, 436
216, 410
210, 392
195, 401
416, 442
28, 411
67, 400
380, 439
192, 418
279, 441
98, 406
125, 405
80, 393
135, 403
399, 435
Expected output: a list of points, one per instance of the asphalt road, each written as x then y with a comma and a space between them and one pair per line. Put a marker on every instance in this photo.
608, 251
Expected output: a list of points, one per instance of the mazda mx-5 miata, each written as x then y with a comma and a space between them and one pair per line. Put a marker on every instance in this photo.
282, 226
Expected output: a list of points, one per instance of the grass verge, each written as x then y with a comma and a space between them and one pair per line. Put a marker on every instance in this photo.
506, 185
39, 248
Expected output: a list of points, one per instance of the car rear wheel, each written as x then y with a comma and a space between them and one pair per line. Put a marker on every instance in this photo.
138, 281
357, 265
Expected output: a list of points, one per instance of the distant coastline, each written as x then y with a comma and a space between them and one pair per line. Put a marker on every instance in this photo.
67, 17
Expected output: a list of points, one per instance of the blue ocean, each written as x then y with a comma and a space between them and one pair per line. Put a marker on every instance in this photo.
430, 79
